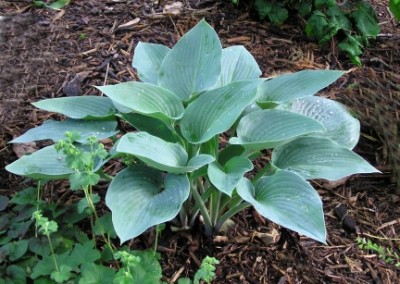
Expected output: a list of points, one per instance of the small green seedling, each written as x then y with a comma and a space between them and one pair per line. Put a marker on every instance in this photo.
386, 254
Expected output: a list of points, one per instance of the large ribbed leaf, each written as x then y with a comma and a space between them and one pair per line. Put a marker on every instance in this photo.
313, 158
215, 111
139, 198
145, 98
46, 163
296, 85
237, 65
340, 125
162, 155
194, 63
55, 130
269, 128
226, 178
152, 126
288, 200
147, 60
79, 107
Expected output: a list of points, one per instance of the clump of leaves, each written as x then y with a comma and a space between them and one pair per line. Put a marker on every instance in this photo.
205, 273
190, 97
354, 22
388, 255
57, 4
395, 8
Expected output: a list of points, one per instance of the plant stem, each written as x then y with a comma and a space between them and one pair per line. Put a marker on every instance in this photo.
203, 210
231, 212
268, 169
88, 195
52, 252
215, 200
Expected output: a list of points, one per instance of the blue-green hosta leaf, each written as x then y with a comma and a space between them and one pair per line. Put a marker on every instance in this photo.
312, 158
271, 127
340, 126
152, 126
288, 200
296, 85
226, 178
46, 163
84, 107
194, 63
139, 199
144, 98
55, 130
162, 155
216, 111
237, 65
147, 60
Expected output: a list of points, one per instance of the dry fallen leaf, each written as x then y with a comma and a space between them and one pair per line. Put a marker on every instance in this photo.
129, 24
173, 9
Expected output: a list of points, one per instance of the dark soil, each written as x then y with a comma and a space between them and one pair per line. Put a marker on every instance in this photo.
46, 53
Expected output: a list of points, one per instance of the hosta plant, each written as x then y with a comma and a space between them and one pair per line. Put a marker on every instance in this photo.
201, 115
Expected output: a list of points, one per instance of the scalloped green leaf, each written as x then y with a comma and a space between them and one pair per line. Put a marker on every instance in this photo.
55, 130
216, 111
288, 200
162, 155
313, 158
295, 85
226, 178
147, 60
85, 107
271, 127
139, 198
144, 98
340, 126
194, 63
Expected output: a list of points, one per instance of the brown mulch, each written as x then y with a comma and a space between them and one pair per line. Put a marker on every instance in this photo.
46, 54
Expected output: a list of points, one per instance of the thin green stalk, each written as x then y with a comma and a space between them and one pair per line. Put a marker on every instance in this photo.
268, 169
52, 252
88, 194
215, 200
37, 204
203, 210
230, 213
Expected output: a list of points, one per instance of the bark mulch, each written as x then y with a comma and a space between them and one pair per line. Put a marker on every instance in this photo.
46, 53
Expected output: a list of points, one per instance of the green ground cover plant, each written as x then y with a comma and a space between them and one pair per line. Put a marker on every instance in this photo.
353, 23
198, 118
388, 255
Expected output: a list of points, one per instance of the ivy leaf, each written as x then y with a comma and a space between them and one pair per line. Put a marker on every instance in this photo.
316, 25
395, 8
366, 20
278, 14
353, 47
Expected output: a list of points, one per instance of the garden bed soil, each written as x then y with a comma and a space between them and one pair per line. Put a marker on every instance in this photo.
46, 54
